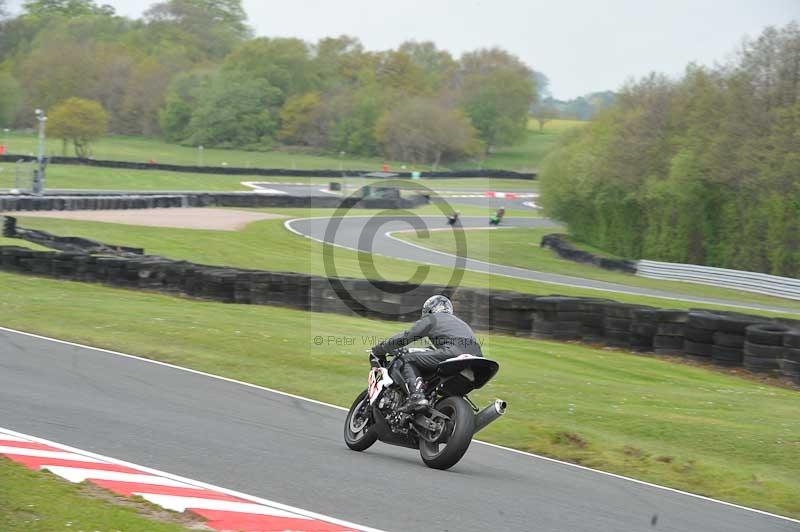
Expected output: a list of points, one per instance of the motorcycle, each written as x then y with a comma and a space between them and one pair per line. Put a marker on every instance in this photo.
441, 432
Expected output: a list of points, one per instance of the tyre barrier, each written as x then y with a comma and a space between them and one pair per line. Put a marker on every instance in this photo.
70, 244
228, 199
563, 248
763, 347
232, 170
725, 339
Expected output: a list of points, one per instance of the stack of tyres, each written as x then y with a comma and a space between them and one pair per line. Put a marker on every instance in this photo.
618, 322
763, 347
644, 328
464, 303
591, 314
513, 313
790, 366
557, 318
670, 325
729, 338
699, 335
65, 265
482, 310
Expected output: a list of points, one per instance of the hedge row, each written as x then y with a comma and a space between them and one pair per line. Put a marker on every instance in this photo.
228, 199
564, 249
230, 170
725, 339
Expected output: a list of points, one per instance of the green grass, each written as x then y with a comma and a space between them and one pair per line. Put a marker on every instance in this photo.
86, 177
520, 248
525, 156
141, 149
267, 245
691, 428
529, 154
40, 502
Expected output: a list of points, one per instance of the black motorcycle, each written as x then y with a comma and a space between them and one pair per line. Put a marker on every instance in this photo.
442, 432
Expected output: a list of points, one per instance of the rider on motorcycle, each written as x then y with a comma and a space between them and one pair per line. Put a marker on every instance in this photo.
451, 337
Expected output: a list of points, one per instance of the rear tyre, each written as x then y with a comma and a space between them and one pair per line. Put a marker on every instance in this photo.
359, 434
457, 435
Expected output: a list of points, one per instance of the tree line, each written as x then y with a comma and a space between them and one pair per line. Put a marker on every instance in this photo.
192, 72
704, 169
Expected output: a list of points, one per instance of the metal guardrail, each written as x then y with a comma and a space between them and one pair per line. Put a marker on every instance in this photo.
760, 283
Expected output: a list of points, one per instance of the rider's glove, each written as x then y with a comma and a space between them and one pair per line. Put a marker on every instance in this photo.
376, 360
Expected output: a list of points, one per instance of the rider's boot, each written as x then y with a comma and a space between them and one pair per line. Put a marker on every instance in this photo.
416, 394
416, 397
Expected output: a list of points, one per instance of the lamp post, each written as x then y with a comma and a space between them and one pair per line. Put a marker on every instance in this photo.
38, 176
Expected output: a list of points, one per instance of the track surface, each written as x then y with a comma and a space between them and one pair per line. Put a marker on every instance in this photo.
290, 450
350, 230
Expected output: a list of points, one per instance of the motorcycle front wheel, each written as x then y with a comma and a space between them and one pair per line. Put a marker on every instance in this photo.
454, 439
357, 427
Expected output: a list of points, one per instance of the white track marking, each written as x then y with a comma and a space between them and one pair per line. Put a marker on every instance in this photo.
42, 453
314, 401
9, 437
180, 481
178, 503
79, 474
270, 191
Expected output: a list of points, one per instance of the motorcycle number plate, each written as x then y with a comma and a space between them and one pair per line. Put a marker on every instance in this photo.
378, 380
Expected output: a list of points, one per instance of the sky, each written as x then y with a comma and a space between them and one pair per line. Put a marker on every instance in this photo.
581, 45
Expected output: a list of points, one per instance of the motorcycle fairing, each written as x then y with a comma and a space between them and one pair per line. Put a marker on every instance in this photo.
465, 373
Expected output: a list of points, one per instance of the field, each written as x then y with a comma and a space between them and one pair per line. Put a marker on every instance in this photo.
524, 157
520, 248
528, 155
684, 426
268, 245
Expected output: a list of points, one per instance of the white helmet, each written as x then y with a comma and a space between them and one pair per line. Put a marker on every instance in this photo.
436, 304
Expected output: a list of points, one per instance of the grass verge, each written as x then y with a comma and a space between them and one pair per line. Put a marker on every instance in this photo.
268, 245
92, 178
40, 502
688, 427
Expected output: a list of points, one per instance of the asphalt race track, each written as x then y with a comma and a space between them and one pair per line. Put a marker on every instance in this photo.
291, 450
351, 229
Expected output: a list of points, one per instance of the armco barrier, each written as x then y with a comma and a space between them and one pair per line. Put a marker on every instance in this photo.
14, 203
229, 170
702, 335
760, 283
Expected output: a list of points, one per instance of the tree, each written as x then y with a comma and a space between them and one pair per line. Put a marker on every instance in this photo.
422, 130
211, 28
543, 114
297, 118
234, 111
10, 99
283, 63
66, 8
497, 92
78, 121
701, 169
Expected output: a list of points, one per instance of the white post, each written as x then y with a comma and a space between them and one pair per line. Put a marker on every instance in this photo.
38, 180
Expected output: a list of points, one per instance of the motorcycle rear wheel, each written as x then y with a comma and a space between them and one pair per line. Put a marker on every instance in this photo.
458, 435
358, 433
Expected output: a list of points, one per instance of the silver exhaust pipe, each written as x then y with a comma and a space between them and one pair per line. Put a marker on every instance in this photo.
489, 414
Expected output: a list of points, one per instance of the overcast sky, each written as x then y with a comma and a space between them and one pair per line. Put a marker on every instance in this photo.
581, 45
